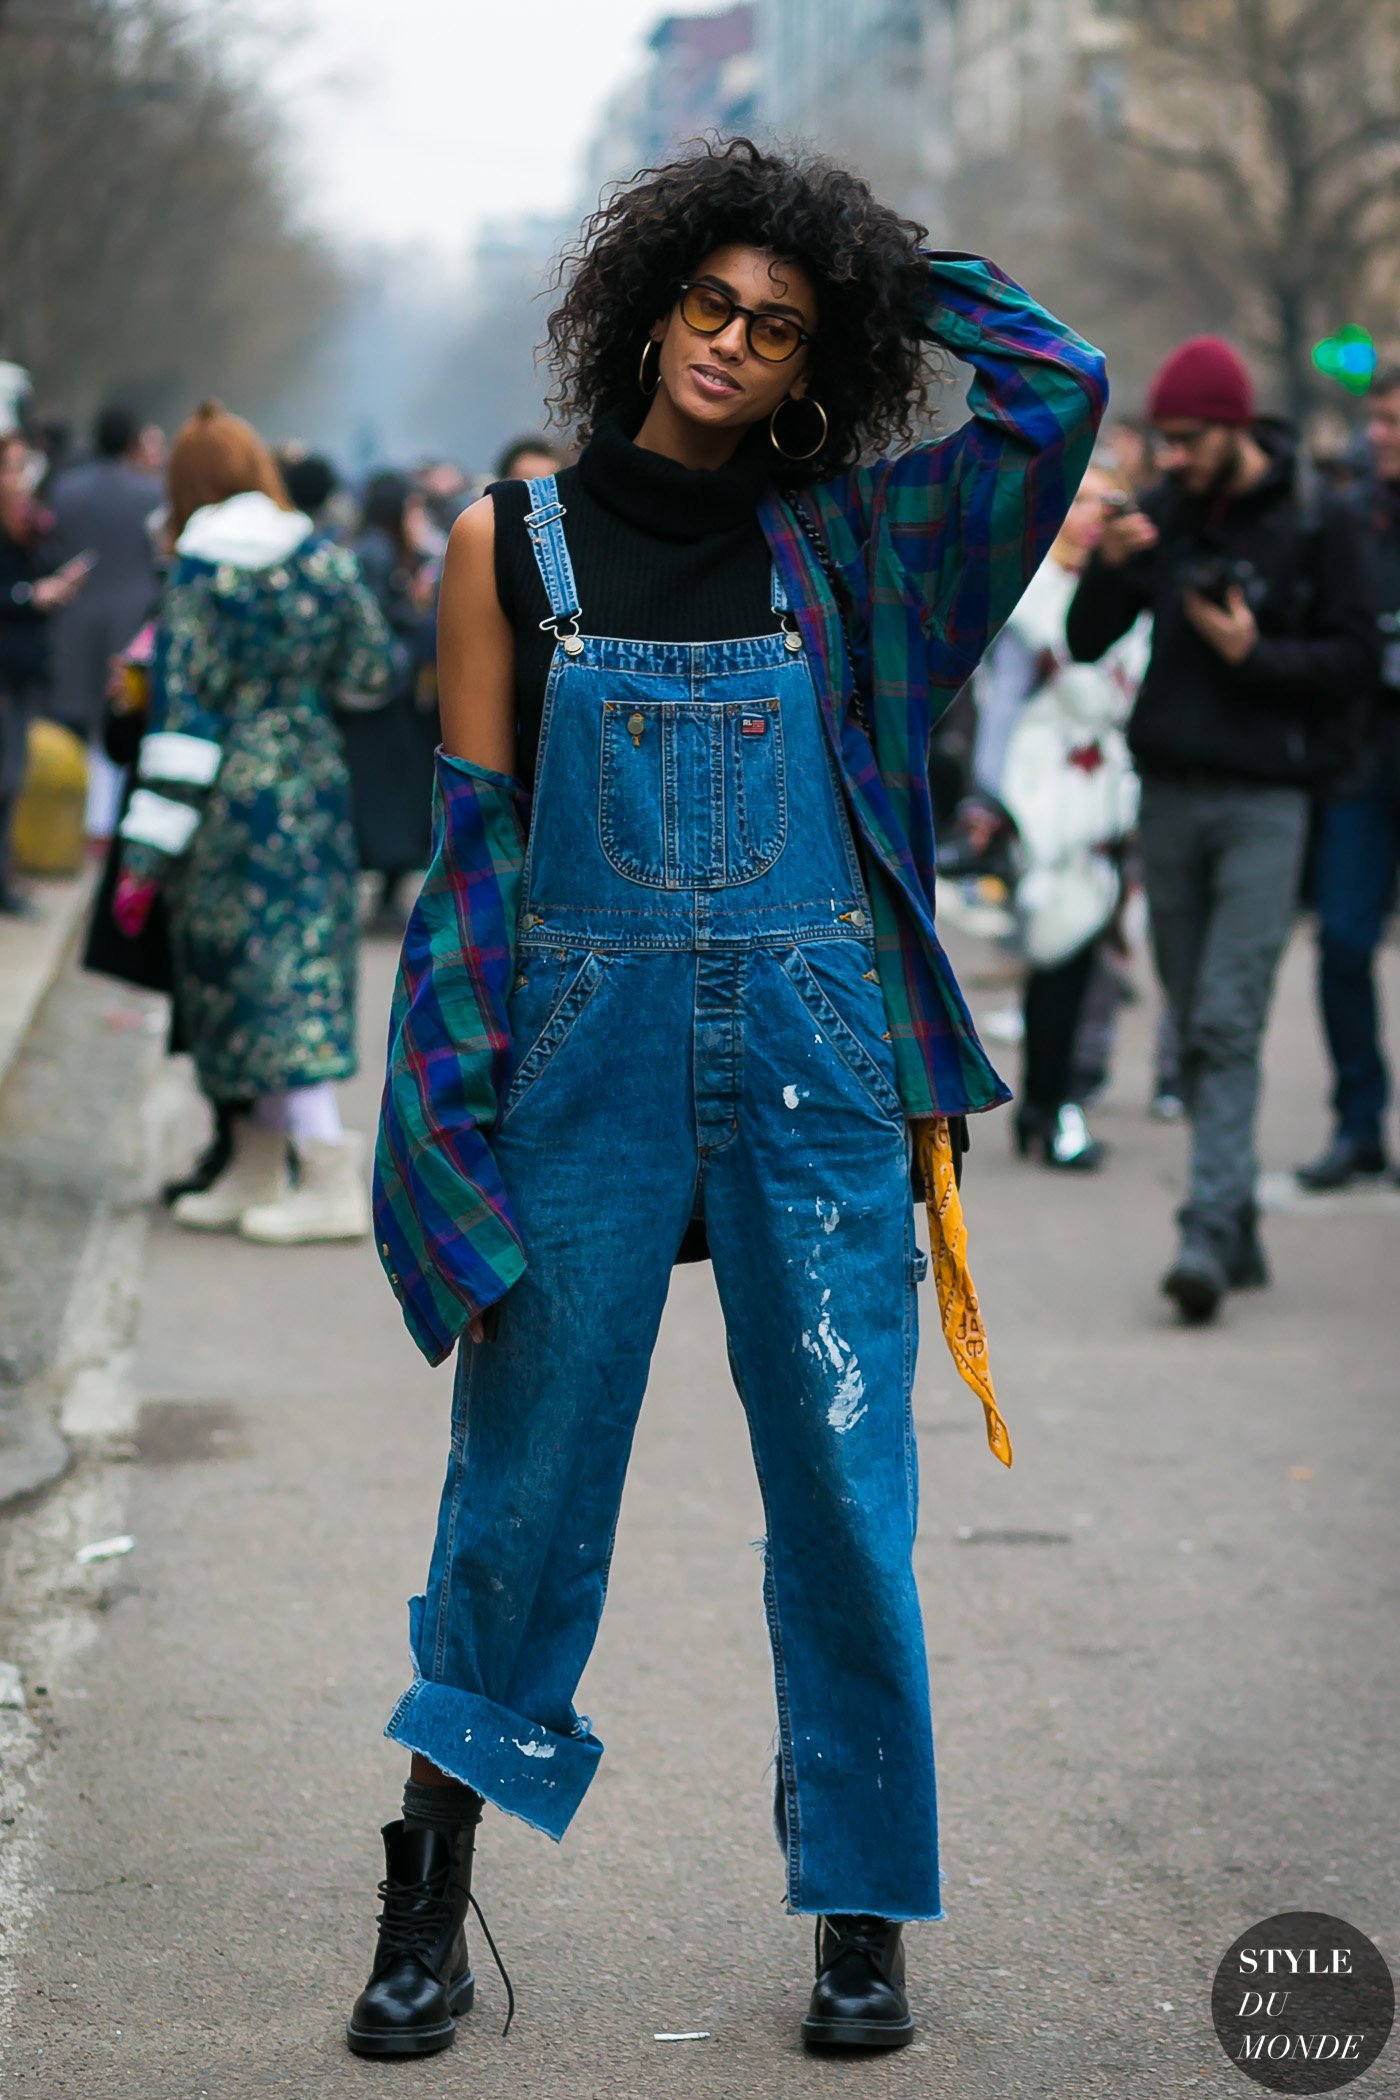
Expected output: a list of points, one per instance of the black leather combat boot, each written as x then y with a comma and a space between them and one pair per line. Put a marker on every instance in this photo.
421, 1976
859, 2000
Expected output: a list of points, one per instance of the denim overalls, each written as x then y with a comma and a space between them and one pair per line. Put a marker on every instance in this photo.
698, 1027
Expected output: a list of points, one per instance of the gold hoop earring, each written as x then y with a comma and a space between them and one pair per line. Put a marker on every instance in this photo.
808, 401
650, 344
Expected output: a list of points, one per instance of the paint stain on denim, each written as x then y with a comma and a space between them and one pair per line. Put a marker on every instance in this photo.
835, 1353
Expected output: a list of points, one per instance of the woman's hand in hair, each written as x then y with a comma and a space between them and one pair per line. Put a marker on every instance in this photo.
475, 647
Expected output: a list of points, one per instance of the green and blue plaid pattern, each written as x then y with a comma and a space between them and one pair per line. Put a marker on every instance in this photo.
443, 1225
936, 548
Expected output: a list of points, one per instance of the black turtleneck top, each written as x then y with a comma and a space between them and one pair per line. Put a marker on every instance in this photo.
661, 553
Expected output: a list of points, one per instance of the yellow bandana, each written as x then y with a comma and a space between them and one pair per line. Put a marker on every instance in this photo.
957, 1294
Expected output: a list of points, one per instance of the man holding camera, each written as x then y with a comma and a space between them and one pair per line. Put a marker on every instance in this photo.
1264, 634
1358, 853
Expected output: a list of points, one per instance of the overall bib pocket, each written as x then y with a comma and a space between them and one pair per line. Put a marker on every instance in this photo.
692, 795
543, 1013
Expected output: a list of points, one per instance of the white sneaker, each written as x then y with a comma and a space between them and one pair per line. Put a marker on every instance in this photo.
329, 1202
256, 1174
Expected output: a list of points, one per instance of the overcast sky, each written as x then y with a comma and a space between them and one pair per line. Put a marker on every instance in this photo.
417, 119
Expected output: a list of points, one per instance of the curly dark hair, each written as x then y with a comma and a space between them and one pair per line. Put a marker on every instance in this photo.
869, 362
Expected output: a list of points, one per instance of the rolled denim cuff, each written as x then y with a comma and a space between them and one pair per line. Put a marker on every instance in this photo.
529, 1771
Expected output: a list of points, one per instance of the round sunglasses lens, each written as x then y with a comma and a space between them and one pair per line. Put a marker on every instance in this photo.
772, 337
705, 311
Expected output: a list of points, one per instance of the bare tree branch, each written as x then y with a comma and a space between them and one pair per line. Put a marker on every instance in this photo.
146, 242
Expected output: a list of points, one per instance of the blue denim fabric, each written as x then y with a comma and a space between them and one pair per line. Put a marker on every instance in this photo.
1354, 879
698, 1027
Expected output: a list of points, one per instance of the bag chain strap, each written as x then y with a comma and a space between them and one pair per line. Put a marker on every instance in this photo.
841, 592
958, 1132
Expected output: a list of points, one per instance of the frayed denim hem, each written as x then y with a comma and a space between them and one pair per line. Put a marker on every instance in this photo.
895, 1917
526, 1770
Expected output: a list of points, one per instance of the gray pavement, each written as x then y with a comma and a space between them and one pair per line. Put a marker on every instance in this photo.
70, 1143
1162, 1647
31, 951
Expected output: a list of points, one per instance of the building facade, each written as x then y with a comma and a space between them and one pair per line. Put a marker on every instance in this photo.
868, 81
701, 77
923, 92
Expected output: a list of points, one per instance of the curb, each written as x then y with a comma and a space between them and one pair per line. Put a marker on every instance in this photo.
32, 953
85, 1394
33, 1454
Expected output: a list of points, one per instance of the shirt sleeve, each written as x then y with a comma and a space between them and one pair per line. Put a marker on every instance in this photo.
183, 748
970, 517
443, 1225
1109, 603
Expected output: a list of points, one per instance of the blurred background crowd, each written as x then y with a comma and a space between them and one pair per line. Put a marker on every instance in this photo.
1224, 169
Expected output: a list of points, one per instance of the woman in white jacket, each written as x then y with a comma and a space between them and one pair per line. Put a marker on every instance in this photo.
1068, 784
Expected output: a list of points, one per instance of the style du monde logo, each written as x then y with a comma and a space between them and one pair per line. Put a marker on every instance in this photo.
1303, 2002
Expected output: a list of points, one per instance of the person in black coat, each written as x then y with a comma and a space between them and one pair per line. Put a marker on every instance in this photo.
103, 506
30, 591
390, 750
1356, 861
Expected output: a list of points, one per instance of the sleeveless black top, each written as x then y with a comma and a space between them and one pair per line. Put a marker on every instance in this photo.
661, 553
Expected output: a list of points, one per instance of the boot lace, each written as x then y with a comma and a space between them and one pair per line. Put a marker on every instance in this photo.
857, 1935
416, 1916
500, 1966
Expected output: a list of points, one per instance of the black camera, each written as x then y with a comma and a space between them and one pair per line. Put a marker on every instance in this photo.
1214, 576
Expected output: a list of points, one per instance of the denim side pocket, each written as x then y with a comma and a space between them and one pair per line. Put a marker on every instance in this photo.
858, 1059
558, 1024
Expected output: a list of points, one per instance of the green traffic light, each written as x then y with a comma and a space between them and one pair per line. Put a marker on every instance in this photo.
1350, 357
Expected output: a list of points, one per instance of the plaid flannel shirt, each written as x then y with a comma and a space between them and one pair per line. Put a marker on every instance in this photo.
936, 547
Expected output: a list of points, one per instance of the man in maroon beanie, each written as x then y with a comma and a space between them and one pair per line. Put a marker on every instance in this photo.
1264, 636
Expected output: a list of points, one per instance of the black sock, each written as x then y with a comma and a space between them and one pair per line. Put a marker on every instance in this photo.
449, 1809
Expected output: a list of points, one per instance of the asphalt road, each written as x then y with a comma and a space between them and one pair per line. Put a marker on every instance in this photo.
1163, 1653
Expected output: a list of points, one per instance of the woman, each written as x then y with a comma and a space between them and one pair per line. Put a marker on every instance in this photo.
242, 815
390, 751
27, 597
1069, 787
694, 974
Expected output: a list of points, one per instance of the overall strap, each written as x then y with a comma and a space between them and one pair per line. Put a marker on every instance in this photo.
545, 525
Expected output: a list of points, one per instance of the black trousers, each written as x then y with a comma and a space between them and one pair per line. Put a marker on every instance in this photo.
18, 705
1052, 1005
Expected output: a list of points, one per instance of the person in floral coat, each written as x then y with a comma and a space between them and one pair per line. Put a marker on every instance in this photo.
242, 815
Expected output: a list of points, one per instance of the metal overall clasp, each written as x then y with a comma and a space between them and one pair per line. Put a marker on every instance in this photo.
571, 641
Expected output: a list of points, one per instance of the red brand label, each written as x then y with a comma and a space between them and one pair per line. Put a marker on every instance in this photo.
754, 725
